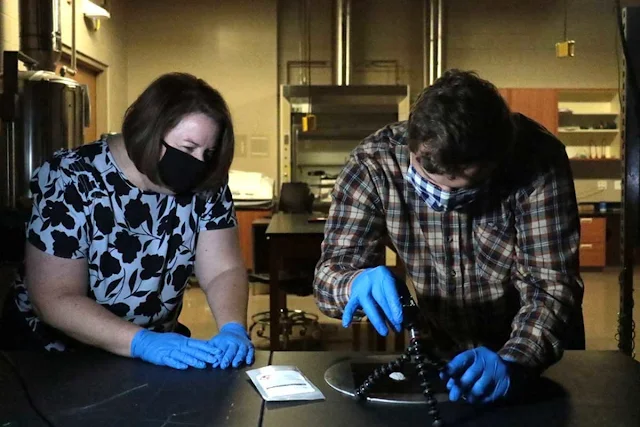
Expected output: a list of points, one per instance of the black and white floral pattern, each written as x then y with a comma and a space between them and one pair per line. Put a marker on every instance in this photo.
140, 246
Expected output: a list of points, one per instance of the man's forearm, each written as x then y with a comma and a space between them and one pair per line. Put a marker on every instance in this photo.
86, 321
332, 288
227, 295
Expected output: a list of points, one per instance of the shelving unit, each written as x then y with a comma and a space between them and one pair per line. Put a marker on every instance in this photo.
583, 131
589, 126
589, 123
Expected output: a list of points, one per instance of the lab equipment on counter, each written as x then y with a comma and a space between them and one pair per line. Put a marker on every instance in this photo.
251, 189
283, 383
413, 377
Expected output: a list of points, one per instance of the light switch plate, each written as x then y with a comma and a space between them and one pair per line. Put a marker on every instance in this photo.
241, 146
617, 184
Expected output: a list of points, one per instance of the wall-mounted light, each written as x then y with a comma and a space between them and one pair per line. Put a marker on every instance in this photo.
566, 48
93, 14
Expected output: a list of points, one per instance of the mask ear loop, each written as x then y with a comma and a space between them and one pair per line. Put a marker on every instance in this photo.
166, 146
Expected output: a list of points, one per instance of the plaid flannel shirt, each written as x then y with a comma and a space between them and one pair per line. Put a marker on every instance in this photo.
502, 272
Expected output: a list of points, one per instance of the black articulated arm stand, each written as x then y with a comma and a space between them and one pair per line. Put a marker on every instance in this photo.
417, 352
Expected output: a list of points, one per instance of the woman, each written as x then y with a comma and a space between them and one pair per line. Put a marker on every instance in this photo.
118, 226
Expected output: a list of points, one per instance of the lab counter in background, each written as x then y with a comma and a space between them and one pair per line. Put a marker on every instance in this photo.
246, 217
599, 242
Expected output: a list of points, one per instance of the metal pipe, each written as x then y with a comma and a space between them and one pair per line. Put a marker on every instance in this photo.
432, 36
439, 38
40, 32
339, 41
347, 43
425, 42
12, 164
6, 174
73, 37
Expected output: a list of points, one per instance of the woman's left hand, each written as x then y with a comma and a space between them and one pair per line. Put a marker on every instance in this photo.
235, 345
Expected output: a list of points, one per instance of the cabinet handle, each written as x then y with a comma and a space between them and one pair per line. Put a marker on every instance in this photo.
586, 246
587, 220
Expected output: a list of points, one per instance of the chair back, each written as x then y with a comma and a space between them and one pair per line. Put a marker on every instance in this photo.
295, 197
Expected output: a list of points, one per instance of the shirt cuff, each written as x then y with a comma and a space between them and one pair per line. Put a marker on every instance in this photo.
343, 290
524, 352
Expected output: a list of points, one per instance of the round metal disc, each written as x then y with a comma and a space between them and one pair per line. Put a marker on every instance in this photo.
340, 376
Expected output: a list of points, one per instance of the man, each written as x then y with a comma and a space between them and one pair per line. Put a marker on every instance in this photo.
479, 204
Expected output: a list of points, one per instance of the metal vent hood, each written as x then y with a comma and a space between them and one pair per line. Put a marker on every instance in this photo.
432, 61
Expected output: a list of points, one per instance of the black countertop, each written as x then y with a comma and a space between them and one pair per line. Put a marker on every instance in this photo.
287, 223
98, 389
598, 214
585, 389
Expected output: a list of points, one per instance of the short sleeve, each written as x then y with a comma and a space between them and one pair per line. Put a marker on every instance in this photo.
219, 211
58, 223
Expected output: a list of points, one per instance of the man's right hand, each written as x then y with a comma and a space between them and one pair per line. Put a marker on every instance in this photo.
372, 289
173, 350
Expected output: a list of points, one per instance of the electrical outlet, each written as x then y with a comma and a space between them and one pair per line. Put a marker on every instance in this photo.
617, 184
602, 184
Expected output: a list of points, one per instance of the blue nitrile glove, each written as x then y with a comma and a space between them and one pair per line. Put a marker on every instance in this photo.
373, 288
234, 344
478, 375
173, 350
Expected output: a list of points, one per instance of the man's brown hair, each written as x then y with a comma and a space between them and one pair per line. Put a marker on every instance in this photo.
460, 121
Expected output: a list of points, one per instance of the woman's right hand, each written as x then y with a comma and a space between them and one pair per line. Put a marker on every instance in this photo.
173, 350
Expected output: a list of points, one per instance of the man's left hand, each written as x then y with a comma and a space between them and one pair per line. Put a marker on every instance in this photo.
478, 375
235, 345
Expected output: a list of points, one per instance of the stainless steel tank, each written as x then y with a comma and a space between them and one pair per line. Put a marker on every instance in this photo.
52, 112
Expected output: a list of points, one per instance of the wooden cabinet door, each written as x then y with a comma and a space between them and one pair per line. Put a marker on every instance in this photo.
540, 105
593, 237
245, 232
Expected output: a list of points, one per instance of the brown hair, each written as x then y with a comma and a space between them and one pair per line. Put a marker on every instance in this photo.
161, 106
460, 121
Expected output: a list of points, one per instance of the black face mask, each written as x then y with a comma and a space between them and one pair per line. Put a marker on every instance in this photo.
180, 171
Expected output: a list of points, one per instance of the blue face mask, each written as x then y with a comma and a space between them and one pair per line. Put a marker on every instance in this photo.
438, 199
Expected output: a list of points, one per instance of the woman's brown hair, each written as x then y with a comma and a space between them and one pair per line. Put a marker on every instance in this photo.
161, 106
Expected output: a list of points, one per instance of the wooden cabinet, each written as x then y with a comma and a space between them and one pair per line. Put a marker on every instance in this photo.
540, 105
593, 236
245, 232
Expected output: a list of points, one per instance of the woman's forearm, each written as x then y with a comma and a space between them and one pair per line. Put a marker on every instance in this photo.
227, 295
86, 321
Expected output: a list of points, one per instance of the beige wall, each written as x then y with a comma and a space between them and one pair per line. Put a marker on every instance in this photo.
9, 29
107, 47
513, 43
230, 44
509, 42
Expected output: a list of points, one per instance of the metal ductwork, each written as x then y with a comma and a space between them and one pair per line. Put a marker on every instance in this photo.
40, 37
342, 65
432, 41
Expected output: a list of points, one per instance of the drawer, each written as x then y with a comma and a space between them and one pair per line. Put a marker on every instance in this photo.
593, 230
592, 255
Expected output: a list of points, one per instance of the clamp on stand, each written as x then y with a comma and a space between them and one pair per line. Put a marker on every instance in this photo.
417, 352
